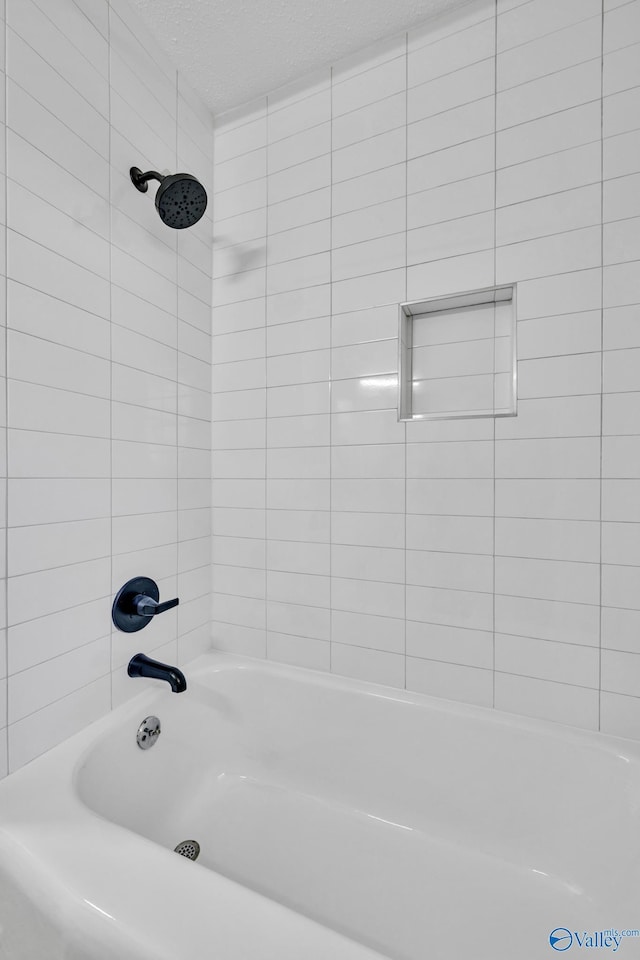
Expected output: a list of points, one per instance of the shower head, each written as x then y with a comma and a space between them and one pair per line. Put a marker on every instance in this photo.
181, 200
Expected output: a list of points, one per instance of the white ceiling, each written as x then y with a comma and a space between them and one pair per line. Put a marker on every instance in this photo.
232, 51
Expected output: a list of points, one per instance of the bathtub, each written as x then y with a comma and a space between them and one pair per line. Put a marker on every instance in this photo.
336, 819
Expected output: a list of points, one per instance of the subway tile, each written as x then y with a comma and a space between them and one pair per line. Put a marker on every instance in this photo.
367, 190
560, 253
619, 714
620, 586
365, 630
453, 52
552, 52
455, 608
620, 370
299, 494
619, 116
287, 116
577, 457
565, 170
565, 293
548, 539
458, 534
37, 594
620, 544
548, 620
451, 681
375, 666
297, 399
367, 529
300, 210
236, 638
356, 260
546, 660
461, 199
299, 431
450, 497
455, 126
367, 393
524, 23
547, 700
451, 571
376, 153
571, 210
621, 197
297, 557
364, 326
368, 87
620, 69
44, 729
573, 582
364, 596
451, 238
620, 413
545, 137
368, 495
465, 85
369, 121
451, 164
428, 641
620, 241
382, 461
295, 619
562, 90
553, 417
301, 525
297, 462
556, 499
559, 376
299, 651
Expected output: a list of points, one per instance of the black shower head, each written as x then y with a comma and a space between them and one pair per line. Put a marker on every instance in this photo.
181, 200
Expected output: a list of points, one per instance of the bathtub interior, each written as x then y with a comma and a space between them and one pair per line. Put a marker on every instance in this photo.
372, 813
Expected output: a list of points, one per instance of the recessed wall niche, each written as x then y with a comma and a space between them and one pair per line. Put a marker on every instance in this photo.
457, 356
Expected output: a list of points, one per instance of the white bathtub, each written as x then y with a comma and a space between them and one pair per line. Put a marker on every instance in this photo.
336, 820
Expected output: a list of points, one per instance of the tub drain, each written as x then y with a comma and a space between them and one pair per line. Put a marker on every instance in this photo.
189, 849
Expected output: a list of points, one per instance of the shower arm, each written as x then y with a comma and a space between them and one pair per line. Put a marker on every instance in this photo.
140, 179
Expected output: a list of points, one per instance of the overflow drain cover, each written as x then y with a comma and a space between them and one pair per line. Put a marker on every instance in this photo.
189, 849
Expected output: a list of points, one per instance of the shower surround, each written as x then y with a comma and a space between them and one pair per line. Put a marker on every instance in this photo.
493, 562
108, 373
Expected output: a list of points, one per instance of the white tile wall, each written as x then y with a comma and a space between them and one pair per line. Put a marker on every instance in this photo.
491, 562
108, 377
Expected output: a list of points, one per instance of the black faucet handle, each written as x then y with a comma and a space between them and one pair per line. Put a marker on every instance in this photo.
148, 607
137, 603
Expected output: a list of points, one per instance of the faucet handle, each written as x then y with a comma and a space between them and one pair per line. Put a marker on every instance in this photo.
137, 603
148, 607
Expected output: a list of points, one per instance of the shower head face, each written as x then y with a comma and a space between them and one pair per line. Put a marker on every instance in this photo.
181, 200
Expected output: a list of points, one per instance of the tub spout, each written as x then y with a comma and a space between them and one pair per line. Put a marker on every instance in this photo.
143, 666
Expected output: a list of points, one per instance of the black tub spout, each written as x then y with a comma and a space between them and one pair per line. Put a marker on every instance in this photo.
143, 666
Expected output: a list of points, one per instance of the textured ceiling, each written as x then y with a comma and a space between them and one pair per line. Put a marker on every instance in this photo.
234, 50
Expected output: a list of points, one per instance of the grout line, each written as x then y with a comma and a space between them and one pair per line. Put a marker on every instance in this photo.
5, 507
177, 254
495, 255
111, 441
266, 362
406, 297
602, 354
396, 271
331, 388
